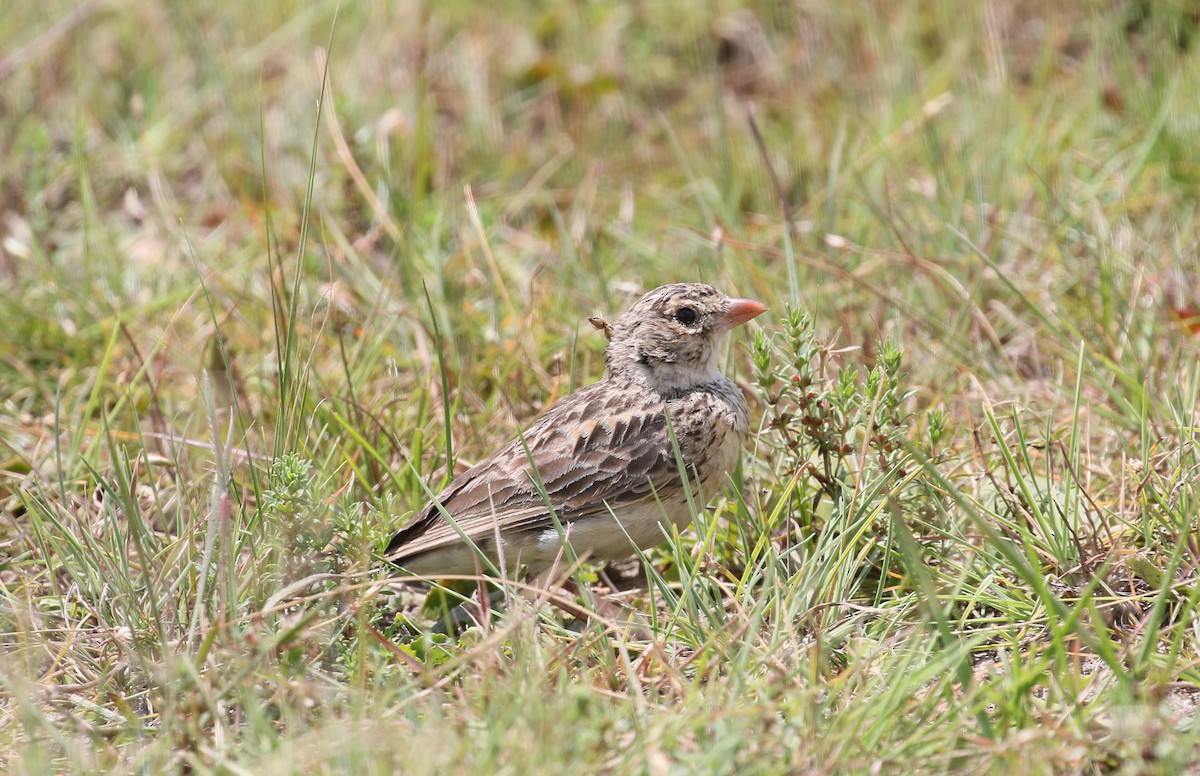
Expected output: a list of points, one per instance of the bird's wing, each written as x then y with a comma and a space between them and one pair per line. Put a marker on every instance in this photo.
596, 449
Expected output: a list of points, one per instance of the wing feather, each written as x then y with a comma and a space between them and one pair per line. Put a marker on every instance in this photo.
596, 449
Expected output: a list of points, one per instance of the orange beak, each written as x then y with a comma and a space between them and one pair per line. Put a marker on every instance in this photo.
740, 311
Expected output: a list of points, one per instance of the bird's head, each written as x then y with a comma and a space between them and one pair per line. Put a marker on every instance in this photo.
670, 337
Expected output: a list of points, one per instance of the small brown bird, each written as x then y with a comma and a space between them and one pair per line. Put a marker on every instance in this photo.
603, 455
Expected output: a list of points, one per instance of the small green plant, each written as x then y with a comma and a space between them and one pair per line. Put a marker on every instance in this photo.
294, 518
834, 431
840, 439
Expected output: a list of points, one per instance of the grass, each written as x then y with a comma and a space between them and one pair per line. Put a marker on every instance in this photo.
270, 273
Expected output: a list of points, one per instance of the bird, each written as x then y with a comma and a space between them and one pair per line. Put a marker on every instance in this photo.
598, 469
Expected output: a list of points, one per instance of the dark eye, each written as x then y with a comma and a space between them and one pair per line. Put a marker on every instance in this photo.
685, 315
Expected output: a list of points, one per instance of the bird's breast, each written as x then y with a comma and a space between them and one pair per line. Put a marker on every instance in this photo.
711, 425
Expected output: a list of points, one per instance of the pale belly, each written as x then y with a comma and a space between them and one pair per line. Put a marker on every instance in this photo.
613, 538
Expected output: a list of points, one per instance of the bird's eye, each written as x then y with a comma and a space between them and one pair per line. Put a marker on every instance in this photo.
685, 315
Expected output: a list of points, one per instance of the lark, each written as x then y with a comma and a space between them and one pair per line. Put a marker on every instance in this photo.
599, 468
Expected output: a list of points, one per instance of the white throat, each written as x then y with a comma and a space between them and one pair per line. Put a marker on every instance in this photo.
666, 376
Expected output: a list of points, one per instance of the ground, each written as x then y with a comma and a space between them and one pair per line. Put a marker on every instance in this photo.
271, 272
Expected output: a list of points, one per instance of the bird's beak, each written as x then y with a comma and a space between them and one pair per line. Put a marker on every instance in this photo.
739, 311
